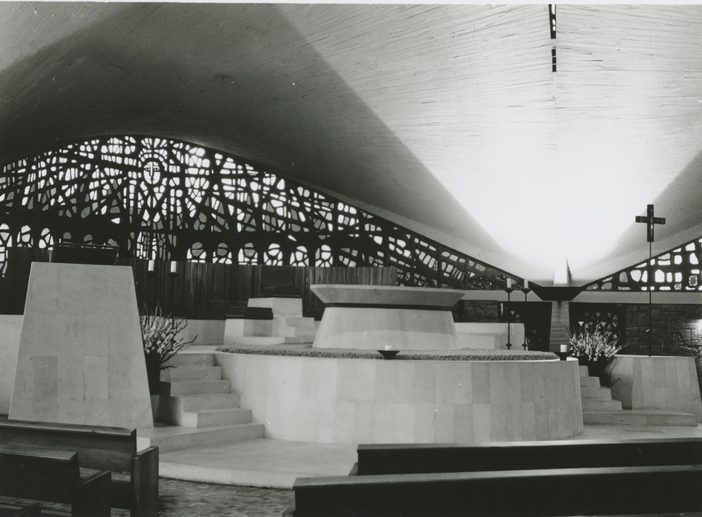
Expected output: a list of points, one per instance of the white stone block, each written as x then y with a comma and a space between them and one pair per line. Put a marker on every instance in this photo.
81, 357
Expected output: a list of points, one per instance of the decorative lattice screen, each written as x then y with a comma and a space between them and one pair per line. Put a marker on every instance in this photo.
675, 270
169, 200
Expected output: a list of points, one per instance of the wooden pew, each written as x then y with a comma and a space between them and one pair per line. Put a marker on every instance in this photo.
549, 492
425, 458
14, 510
55, 476
134, 474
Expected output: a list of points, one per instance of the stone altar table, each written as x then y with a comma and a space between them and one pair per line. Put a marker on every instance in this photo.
81, 357
379, 317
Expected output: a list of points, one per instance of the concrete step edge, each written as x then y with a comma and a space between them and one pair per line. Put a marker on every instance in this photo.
214, 411
188, 437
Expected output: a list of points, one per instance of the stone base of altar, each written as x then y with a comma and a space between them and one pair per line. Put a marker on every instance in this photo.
378, 329
386, 317
658, 382
340, 400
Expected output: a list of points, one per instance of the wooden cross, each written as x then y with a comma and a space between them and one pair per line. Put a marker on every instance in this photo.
650, 221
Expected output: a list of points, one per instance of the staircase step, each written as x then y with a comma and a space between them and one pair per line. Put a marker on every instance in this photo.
171, 406
214, 417
299, 321
601, 393
191, 359
254, 340
192, 373
602, 405
639, 417
590, 382
583, 370
299, 332
194, 387
171, 438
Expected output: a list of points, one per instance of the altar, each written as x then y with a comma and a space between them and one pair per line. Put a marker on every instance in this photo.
386, 317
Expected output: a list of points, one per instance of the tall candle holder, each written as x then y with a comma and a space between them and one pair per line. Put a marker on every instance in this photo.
508, 290
525, 290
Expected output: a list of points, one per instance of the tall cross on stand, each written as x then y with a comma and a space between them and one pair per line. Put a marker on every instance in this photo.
650, 221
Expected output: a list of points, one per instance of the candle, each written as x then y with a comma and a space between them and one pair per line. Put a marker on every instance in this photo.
564, 348
526, 283
174, 267
388, 347
509, 283
151, 265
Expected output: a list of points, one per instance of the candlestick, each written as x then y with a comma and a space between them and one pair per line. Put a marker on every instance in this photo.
525, 290
509, 330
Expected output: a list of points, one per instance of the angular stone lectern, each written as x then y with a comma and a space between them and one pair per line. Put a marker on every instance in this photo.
81, 357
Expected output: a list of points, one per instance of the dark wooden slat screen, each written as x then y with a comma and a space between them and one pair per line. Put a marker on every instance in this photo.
198, 290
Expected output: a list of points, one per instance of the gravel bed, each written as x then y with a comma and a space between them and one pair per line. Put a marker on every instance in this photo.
306, 350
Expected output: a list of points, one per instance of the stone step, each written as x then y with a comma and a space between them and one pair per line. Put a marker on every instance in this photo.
299, 321
205, 401
590, 382
639, 417
171, 408
194, 387
602, 405
191, 359
299, 332
172, 438
600, 393
192, 373
275, 340
213, 417
584, 372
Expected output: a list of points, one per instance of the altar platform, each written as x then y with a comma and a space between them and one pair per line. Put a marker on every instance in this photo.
277, 463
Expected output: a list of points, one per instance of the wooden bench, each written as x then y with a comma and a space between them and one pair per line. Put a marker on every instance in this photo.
424, 458
134, 474
14, 510
582, 491
55, 476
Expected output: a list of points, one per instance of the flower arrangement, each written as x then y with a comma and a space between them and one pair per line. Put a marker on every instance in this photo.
161, 337
593, 343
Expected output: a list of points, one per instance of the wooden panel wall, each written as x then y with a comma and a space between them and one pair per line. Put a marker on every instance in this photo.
197, 290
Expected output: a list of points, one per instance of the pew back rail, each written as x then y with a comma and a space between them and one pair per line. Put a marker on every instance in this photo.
426, 458
56, 476
135, 473
551, 492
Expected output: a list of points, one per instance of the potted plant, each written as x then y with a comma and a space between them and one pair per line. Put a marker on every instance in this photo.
162, 340
594, 345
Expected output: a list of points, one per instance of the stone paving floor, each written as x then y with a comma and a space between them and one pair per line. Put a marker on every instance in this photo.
190, 499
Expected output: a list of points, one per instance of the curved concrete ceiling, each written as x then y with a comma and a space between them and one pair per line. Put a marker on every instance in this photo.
447, 119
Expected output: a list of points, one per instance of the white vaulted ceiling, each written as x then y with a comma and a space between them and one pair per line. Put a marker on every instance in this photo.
447, 119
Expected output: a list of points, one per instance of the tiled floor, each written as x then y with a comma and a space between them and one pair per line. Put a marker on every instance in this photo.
190, 499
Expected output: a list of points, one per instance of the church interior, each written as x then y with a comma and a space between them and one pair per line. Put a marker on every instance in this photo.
304, 259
